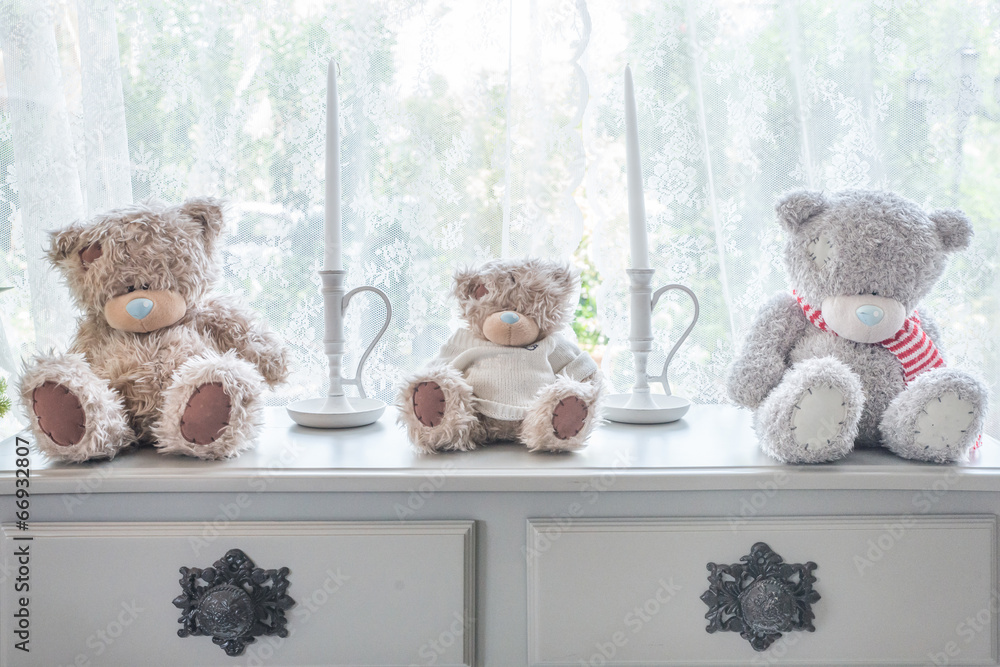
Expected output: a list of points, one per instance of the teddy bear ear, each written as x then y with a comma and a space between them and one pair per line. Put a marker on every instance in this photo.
469, 285
565, 275
561, 278
953, 228
797, 206
66, 242
208, 212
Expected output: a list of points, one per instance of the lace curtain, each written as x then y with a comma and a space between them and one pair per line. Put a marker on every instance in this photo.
482, 128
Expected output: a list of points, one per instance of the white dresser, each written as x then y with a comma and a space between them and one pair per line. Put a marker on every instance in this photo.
499, 557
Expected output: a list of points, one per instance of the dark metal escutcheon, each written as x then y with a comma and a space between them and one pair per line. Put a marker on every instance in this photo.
236, 603
760, 597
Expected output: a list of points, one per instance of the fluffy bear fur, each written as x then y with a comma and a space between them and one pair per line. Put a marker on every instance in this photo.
135, 386
476, 386
816, 394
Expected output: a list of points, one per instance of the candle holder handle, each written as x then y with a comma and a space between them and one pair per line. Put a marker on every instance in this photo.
336, 409
357, 381
662, 377
641, 406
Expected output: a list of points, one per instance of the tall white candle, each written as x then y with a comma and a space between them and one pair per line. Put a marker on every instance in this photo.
332, 260
638, 243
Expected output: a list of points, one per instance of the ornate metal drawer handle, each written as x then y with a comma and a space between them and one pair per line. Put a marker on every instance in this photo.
237, 602
760, 597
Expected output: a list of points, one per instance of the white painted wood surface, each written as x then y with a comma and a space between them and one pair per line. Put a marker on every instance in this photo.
366, 593
893, 590
712, 448
706, 468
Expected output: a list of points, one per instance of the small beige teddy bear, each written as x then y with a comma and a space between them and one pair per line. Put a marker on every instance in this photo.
508, 375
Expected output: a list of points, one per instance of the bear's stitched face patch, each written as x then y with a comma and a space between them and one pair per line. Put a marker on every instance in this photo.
821, 250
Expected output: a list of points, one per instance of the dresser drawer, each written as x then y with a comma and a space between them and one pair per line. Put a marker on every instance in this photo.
380, 593
894, 590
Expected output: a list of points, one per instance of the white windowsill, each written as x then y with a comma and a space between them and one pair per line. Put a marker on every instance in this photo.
712, 448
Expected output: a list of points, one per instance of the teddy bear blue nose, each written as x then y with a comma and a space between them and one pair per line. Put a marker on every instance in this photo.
870, 315
139, 308
509, 318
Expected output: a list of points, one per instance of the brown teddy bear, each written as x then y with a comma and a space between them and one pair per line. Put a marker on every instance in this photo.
156, 359
508, 375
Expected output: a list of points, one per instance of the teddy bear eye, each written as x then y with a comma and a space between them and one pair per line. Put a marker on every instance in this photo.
130, 289
145, 287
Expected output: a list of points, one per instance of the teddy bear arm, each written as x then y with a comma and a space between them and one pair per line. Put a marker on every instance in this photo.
764, 358
568, 360
455, 345
91, 335
234, 329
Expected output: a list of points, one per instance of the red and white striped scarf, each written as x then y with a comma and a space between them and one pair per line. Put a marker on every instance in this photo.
911, 344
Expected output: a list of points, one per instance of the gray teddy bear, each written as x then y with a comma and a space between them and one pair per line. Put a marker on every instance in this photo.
849, 357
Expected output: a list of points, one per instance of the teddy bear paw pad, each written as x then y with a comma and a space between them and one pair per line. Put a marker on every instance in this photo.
428, 403
59, 413
569, 417
944, 422
818, 418
206, 414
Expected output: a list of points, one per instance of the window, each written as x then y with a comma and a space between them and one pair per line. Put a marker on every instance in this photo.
480, 128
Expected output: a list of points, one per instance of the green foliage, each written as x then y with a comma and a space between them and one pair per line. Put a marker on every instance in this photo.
4, 398
585, 325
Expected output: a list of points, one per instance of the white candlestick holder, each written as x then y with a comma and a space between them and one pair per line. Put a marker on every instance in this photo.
641, 406
338, 410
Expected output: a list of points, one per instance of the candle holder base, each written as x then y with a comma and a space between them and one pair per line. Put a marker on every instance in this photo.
336, 412
645, 408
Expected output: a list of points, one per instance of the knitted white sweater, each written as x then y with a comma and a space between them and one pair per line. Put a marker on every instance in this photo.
505, 379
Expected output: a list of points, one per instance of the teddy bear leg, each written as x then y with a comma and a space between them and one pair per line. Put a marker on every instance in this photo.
211, 409
74, 414
938, 417
438, 410
561, 417
813, 413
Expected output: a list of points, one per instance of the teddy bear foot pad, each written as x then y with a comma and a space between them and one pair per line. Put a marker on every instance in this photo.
429, 403
206, 414
569, 417
944, 422
818, 417
60, 414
